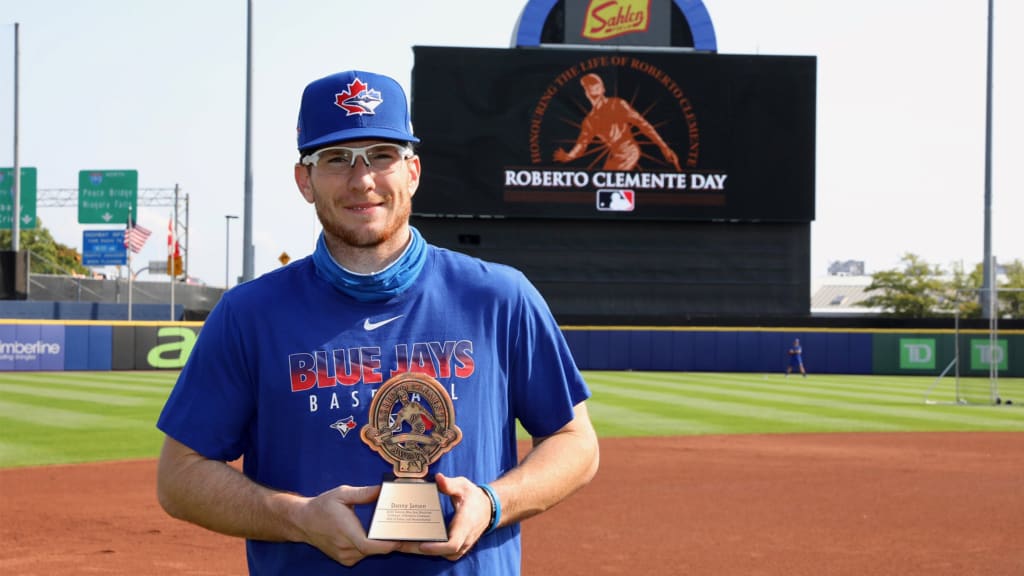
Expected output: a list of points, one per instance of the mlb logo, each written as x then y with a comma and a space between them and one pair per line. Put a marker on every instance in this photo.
615, 200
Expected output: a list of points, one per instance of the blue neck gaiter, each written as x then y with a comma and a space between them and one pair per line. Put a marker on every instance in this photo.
377, 287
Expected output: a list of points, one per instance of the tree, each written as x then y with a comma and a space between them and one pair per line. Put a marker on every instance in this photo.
921, 290
961, 293
909, 293
1011, 304
48, 255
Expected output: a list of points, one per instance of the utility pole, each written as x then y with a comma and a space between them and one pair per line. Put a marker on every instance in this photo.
16, 204
248, 253
988, 273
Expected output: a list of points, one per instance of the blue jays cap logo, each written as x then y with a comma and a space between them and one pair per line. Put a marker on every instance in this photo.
358, 99
375, 108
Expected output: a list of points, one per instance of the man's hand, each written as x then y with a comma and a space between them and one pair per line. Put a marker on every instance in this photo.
472, 517
329, 522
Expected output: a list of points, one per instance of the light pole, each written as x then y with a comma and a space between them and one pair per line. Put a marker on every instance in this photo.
227, 245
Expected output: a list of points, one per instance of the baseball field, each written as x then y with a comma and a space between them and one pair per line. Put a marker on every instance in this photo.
701, 473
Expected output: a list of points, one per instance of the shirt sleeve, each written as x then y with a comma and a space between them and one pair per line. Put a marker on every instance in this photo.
213, 402
545, 382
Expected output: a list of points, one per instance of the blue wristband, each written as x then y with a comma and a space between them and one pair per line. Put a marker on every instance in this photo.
495, 507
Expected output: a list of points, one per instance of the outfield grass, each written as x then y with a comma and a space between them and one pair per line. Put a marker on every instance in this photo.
64, 417
672, 404
61, 417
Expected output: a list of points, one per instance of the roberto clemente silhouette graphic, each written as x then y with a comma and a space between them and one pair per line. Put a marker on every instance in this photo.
611, 120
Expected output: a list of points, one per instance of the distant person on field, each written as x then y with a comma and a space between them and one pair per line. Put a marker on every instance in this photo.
796, 358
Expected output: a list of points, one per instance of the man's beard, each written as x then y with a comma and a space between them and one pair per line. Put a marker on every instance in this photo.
364, 238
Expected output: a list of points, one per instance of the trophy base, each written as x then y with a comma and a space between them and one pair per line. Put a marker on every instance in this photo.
408, 510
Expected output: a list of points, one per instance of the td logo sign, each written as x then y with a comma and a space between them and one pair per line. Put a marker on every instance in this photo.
984, 355
917, 353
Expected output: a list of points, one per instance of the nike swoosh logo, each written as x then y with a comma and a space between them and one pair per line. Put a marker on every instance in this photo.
370, 326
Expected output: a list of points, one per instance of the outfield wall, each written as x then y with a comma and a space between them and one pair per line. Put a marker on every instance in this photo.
836, 351
89, 345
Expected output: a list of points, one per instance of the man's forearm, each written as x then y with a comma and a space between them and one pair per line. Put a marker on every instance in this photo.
557, 466
218, 497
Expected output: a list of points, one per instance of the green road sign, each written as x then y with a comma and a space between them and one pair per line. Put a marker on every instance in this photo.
106, 196
27, 204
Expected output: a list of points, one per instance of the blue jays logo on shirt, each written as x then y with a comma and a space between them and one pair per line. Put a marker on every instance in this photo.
338, 372
344, 425
359, 99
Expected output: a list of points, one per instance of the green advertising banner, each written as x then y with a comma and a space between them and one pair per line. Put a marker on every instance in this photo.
983, 354
152, 347
911, 353
106, 196
27, 204
917, 353
931, 353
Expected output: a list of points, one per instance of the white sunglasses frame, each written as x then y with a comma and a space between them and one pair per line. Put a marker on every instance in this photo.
358, 152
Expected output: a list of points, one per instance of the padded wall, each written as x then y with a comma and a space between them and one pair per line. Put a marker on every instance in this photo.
608, 272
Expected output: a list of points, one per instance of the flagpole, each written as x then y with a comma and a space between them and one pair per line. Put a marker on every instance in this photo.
171, 269
130, 275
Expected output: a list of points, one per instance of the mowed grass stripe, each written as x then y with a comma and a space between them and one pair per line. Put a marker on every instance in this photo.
837, 401
28, 453
614, 419
720, 419
812, 408
911, 386
711, 403
48, 417
164, 376
911, 409
159, 389
59, 392
821, 386
825, 388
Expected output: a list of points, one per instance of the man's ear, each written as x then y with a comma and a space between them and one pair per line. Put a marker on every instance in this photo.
303, 180
414, 174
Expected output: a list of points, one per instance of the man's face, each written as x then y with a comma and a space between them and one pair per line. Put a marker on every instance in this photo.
593, 89
363, 207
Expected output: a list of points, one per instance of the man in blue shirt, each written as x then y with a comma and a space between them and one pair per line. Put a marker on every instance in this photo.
286, 366
796, 358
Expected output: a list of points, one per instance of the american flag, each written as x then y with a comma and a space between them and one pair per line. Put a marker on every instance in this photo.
135, 236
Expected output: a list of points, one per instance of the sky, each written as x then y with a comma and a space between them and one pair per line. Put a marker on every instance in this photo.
160, 87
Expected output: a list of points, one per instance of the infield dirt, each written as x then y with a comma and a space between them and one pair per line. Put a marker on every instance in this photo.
917, 504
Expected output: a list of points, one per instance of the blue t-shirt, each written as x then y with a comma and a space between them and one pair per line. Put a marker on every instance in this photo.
284, 368
796, 355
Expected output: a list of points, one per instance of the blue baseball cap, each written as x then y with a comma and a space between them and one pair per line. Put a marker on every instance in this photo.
353, 105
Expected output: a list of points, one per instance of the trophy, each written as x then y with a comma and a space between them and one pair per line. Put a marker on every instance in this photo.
412, 424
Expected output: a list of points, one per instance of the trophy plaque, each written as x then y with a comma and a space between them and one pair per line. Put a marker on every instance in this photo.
412, 424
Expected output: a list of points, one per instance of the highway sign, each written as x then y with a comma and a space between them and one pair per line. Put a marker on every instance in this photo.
27, 204
106, 196
103, 248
